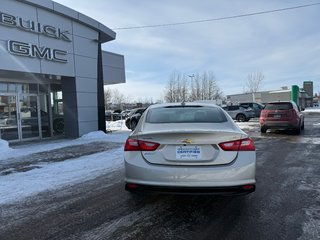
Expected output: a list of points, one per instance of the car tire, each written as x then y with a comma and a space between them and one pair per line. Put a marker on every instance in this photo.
302, 127
263, 129
133, 125
298, 129
241, 118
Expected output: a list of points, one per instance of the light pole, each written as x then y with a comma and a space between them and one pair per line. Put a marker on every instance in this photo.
191, 77
191, 85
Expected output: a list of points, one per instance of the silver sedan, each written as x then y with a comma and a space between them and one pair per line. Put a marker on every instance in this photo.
189, 148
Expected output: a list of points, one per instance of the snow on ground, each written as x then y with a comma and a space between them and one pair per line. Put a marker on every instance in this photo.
314, 109
15, 187
21, 150
250, 125
49, 176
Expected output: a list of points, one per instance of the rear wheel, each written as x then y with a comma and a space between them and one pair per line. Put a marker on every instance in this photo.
302, 127
298, 130
263, 130
241, 118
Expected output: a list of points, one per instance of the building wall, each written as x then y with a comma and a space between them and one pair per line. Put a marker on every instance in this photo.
79, 70
284, 95
308, 87
113, 68
261, 97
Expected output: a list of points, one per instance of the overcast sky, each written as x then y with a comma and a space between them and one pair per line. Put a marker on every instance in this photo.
284, 46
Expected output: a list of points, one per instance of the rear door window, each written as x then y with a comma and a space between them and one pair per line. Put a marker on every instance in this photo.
186, 114
278, 106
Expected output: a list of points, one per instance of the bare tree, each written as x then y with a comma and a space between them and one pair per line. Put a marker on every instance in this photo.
118, 98
107, 98
200, 87
195, 87
254, 82
169, 94
176, 89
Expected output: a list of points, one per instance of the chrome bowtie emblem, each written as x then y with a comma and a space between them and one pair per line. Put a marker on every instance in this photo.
189, 141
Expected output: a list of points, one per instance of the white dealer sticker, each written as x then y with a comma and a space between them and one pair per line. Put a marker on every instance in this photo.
188, 153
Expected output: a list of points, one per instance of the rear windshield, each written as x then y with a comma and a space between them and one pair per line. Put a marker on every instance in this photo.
278, 106
186, 114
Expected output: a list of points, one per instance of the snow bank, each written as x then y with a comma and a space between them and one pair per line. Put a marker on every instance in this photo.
4, 145
30, 148
94, 135
17, 186
314, 109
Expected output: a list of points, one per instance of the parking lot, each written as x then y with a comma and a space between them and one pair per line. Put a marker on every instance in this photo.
285, 205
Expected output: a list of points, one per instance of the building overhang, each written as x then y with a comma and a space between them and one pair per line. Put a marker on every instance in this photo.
106, 34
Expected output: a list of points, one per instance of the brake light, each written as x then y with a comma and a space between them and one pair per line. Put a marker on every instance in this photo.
263, 114
131, 145
292, 113
138, 145
238, 145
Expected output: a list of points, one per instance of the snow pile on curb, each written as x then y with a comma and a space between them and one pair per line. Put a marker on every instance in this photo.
50, 176
23, 150
314, 109
4, 146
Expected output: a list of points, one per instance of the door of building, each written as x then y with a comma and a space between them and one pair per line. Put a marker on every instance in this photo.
9, 129
19, 117
29, 116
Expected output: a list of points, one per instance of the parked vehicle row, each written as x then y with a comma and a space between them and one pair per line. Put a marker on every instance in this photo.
133, 117
284, 115
116, 115
239, 113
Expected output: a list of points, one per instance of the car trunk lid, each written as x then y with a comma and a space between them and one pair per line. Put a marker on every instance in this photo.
192, 147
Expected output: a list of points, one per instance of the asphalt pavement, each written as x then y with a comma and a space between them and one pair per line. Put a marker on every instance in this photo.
285, 205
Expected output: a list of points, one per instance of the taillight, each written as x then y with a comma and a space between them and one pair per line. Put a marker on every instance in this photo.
292, 113
263, 114
131, 145
238, 145
138, 145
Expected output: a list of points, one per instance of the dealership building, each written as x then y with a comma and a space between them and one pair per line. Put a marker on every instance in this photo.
53, 71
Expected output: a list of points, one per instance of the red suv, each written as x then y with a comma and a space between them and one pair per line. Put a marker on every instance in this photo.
281, 115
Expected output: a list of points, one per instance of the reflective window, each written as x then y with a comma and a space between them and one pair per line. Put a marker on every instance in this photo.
3, 87
186, 114
11, 87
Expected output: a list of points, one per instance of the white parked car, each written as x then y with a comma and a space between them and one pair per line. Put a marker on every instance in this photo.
189, 148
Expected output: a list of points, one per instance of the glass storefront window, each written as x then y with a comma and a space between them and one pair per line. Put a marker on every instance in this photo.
30, 110
44, 88
33, 88
11, 87
3, 87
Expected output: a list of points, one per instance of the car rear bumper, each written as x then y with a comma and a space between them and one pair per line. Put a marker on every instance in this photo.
278, 125
190, 178
225, 191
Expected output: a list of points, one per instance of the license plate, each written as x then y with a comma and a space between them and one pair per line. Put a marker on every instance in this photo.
188, 153
277, 116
